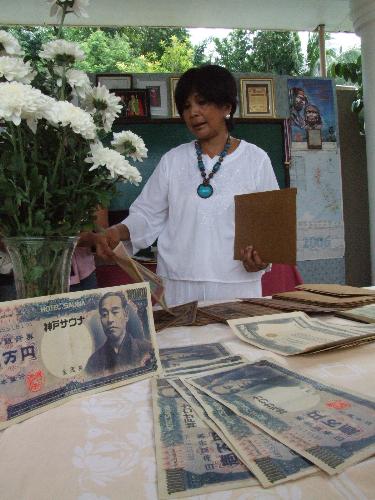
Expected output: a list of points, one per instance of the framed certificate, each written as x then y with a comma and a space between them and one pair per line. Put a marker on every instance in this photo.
115, 80
257, 97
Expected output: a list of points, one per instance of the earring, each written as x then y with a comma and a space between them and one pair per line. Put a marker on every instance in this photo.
227, 116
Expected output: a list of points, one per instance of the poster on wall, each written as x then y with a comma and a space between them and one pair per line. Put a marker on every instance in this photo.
311, 105
320, 226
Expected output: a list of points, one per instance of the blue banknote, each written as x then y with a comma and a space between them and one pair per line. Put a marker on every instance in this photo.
190, 457
176, 357
205, 366
271, 461
52, 348
332, 428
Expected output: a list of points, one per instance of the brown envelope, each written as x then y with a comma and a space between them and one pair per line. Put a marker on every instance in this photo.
267, 221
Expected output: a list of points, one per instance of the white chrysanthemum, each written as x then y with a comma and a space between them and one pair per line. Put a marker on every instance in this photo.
62, 52
130, 144
78, 8
115, 163
9, 45
22, 102
14, 69
66, 114
105, 103
76, 78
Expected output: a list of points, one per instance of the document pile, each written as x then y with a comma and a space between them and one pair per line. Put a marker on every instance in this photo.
296, 333
241, 423
192, 315
329, 295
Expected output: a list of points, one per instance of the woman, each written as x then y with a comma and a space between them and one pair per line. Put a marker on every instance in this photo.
188, 204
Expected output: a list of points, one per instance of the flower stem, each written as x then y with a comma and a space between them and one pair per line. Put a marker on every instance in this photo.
64, 7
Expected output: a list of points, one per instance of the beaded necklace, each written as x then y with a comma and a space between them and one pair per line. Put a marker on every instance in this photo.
205, 189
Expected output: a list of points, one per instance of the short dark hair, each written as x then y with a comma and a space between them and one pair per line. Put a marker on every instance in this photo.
212, 82
120, 295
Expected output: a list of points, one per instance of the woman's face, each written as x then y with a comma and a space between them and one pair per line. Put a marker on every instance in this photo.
204, 119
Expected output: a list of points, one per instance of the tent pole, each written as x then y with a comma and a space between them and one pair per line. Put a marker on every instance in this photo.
322, 51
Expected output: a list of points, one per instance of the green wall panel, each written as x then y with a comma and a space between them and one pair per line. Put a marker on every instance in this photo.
160, 137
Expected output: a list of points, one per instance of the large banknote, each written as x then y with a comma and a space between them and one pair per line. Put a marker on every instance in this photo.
295, 333
331, 427
54, 348
191, 458
270, 461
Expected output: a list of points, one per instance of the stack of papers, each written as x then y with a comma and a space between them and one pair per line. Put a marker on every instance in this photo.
295, 333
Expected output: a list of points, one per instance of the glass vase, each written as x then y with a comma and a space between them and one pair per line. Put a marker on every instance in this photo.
41, 266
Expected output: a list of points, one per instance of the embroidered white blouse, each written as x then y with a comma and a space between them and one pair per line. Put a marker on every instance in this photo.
195, 235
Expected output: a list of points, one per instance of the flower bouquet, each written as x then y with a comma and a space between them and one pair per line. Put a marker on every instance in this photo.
54, 169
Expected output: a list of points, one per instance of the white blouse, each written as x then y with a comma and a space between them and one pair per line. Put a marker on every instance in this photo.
195, 235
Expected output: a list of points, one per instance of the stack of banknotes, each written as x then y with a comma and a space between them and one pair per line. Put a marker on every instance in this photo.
296, 333
222, 422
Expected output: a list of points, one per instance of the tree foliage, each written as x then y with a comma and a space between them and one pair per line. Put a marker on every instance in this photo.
235, 51
351, 71
260, 52
147, 40
312, 65
277, 52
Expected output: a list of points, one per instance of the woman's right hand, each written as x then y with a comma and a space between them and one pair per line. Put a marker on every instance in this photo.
107, 240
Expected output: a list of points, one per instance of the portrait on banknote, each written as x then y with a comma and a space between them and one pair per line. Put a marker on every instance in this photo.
329, 426
52, 348
125, 344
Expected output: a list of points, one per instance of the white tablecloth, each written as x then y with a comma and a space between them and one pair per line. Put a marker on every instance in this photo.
102, 447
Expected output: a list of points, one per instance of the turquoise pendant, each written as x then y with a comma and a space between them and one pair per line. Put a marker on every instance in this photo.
205, 190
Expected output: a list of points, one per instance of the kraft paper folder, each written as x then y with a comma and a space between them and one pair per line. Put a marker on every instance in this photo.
267, 221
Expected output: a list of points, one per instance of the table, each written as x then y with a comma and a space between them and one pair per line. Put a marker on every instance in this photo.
102, 447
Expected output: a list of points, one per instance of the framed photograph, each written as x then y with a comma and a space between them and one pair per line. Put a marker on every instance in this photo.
158, 95
173, 83
135, 104
115, 80
314, 138
257, 98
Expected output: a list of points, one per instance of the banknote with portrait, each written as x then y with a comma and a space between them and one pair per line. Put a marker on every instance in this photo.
55, 348
295, 333
191, 458
331, 427
269, 460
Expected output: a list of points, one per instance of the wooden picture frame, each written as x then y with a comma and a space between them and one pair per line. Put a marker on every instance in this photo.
173, 83
314, 138
135, 104
257, 98
115, 81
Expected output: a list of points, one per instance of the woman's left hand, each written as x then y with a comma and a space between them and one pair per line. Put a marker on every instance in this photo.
252, 261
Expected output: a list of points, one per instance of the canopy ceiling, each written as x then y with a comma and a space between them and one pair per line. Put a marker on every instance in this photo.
296, 15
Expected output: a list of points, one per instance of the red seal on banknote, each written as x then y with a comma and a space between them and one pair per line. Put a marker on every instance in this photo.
338, 405
35, 380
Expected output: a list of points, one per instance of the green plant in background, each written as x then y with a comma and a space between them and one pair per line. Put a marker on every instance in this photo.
351, 71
